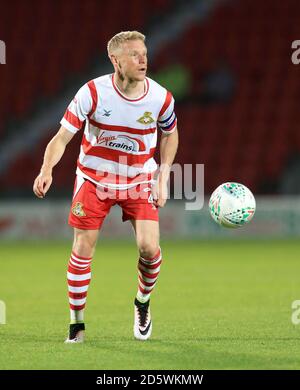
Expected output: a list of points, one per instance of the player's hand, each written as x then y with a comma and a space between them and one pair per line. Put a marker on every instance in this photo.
42, 184
160, 192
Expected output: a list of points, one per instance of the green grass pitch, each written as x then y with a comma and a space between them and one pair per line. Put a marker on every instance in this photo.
217, 305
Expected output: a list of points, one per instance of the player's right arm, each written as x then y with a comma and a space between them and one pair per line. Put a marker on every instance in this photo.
54, 152
77, 112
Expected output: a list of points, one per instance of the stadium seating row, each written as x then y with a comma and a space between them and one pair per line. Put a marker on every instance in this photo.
247, 138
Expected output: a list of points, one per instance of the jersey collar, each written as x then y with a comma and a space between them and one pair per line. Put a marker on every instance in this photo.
125, 97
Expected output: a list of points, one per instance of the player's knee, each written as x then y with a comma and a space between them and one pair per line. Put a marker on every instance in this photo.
84, 245
83, 249
148, 250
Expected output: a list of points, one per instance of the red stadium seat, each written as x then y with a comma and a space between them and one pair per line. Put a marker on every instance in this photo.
247, 139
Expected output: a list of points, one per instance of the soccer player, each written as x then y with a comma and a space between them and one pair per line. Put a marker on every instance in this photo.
121, 112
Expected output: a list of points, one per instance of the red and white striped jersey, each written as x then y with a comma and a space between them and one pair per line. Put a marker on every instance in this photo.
120, 134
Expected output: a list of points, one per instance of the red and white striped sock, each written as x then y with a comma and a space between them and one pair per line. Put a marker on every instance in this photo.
79, 276
148, 275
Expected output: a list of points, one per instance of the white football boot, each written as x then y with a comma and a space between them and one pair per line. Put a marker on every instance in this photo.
76, 334
142, 320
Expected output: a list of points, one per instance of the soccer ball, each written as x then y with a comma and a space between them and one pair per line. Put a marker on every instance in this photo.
232, 205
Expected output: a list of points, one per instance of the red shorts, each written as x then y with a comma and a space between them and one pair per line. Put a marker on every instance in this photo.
91, 204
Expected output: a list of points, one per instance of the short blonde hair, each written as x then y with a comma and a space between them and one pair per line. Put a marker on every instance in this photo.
116, 41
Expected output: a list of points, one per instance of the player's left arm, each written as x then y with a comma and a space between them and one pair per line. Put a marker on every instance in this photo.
168, 148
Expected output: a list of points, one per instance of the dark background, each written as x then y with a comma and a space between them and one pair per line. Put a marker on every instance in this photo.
228, 64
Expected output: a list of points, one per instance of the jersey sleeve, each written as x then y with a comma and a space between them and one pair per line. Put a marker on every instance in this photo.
78, 110
167, 120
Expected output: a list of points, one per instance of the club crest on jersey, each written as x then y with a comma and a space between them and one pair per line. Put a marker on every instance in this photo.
78, 210
146, 119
